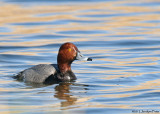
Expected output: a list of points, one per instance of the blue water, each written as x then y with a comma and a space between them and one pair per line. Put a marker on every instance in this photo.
122, 37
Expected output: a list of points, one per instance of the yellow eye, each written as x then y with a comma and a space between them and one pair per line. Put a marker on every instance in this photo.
69, 49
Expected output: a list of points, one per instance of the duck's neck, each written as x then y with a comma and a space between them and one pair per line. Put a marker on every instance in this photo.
66, 73
64, 67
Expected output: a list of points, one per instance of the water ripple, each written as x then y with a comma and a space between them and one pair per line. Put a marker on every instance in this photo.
122, 37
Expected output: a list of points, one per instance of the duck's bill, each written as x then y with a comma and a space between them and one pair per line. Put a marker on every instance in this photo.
81, 57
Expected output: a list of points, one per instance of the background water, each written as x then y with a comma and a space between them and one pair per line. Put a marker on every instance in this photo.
122, 37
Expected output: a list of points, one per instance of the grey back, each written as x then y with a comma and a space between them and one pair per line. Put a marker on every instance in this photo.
38, 73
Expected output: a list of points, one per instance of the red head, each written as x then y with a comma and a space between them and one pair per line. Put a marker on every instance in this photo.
68, 52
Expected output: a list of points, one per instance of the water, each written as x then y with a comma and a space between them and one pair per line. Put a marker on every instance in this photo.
122, 37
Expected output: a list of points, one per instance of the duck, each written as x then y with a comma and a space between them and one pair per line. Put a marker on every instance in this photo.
52, 73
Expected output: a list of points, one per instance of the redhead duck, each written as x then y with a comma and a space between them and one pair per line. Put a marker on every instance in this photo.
51, 73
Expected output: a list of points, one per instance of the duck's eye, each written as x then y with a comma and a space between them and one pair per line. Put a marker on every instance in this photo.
69, 49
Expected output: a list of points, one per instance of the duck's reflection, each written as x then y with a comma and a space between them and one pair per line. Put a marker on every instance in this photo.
63, 92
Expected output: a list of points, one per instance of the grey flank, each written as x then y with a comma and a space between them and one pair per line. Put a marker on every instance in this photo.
38, 73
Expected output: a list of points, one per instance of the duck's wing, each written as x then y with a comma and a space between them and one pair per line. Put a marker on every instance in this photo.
38, 73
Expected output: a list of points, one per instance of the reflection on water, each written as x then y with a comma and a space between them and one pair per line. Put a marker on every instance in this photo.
62, 93
121, 36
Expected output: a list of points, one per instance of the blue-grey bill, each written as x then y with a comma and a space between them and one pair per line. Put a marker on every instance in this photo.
81, 57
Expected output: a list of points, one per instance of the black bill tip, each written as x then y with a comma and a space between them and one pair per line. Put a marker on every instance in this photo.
89, 59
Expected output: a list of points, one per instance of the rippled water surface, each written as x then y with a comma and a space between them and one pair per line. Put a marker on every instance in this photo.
122, 37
